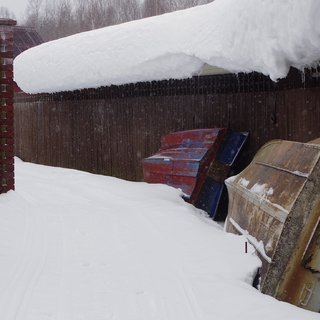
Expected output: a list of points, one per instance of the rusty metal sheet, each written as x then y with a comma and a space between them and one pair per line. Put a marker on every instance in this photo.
183, 159
197, 161
275, 202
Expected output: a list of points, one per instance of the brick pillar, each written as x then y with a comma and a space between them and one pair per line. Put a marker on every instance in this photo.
6, 106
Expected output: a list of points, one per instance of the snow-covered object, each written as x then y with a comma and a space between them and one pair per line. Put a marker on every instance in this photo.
266, 36
78, 246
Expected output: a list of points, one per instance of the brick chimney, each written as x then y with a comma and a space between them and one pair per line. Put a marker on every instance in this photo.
6, 106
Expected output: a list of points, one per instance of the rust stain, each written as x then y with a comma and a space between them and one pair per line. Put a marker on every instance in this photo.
196, 161
276, 199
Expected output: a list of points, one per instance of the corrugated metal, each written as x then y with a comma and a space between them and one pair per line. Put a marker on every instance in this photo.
109, 130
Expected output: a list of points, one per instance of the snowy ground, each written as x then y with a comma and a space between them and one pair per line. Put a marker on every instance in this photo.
77, 246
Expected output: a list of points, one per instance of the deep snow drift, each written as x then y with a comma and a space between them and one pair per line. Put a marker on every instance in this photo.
77, 246
266, 36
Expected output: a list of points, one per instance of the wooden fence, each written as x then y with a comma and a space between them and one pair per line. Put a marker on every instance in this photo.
109, 130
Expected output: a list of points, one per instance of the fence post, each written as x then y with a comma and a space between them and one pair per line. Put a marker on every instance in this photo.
6, 106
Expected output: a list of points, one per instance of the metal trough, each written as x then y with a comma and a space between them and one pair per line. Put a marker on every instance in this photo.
197, 161
275, 203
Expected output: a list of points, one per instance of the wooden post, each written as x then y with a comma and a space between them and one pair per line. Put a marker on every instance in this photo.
6, 106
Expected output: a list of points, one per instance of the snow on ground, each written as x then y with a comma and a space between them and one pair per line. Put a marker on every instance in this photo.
77, 246
266, 36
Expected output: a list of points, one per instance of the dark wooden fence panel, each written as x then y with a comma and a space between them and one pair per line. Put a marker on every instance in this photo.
110, 130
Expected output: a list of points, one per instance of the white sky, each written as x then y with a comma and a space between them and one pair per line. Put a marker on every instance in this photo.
16, 6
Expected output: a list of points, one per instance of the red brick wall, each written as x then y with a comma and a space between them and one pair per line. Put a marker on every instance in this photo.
6, 106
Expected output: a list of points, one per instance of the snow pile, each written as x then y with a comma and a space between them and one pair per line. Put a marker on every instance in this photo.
79, 246
266, 36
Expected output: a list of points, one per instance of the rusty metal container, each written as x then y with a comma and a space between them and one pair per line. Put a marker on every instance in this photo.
275, 203
197, 161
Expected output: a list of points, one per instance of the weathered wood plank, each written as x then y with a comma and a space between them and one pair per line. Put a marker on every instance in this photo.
109, 130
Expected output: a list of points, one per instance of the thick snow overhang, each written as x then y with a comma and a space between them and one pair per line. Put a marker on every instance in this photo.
267, 36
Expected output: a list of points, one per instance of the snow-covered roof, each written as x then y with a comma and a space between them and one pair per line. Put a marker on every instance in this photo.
266, 36
24, 38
